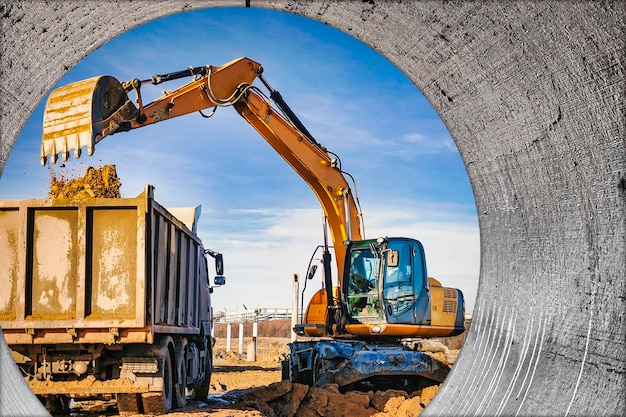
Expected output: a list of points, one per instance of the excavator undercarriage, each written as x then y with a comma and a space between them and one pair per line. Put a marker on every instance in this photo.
348, 362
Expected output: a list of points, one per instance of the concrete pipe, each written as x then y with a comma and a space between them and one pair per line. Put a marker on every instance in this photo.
533, 95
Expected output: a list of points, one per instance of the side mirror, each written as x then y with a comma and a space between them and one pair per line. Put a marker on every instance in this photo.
219, 267
311, 272
219, 264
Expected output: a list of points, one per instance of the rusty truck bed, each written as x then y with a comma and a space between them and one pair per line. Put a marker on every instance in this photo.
99, 270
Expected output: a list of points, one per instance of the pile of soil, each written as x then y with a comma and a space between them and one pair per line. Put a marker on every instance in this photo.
296, 400
98, 182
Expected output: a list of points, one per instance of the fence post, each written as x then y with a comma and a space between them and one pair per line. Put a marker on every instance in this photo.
255, 334
294, 307
253, 346
240, 350
229, 334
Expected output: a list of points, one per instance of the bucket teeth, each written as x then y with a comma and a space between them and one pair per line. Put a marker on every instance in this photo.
64, 144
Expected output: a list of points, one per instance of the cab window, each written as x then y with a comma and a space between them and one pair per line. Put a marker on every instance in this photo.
398, 289
362, 289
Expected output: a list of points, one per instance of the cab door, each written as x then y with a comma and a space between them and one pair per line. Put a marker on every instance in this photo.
405, 291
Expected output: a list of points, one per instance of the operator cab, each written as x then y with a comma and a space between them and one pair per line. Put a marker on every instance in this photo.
387, 282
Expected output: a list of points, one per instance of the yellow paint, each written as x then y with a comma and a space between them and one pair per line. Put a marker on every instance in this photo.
317, 312
443, 306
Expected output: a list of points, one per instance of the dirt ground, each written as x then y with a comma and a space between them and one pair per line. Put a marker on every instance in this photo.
243, 388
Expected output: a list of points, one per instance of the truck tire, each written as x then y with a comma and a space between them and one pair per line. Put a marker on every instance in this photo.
180, 375
161, 402
200, 390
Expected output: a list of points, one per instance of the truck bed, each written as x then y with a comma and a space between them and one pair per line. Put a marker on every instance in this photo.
96, 270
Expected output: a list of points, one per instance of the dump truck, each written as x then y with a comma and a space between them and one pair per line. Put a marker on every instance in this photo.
107, 297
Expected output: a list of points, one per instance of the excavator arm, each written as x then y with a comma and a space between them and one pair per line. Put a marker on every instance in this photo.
80, 115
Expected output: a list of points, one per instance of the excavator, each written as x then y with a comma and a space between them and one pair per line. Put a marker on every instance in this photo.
378, 322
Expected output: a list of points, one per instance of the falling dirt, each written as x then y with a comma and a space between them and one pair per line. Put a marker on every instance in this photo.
97, 182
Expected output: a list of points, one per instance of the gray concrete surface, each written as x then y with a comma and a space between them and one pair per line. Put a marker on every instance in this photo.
533, 95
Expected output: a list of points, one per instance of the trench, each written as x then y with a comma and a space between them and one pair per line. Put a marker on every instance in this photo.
532, 93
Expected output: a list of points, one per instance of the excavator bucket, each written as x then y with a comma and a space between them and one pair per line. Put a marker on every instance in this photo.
80, 114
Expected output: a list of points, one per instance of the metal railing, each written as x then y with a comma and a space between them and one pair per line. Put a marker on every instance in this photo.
251, 315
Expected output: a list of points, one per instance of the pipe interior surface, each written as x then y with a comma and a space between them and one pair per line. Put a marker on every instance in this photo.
533, 95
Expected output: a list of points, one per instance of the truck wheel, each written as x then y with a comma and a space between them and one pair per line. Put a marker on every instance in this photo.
161, 402
180, 376
200, 390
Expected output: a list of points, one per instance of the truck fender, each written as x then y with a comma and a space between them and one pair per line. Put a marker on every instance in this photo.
205, 328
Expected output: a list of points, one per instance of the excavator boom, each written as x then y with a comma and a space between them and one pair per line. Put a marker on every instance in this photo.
314, 165
81, 114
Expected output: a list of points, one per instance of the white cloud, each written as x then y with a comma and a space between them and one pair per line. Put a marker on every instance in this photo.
260, 265
423, 143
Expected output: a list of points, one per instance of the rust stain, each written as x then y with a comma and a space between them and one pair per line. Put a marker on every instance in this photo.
8, 263
54, 265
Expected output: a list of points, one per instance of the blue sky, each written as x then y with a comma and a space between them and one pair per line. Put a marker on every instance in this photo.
259, 213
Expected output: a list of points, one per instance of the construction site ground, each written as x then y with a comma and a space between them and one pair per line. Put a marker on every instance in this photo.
244, 388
